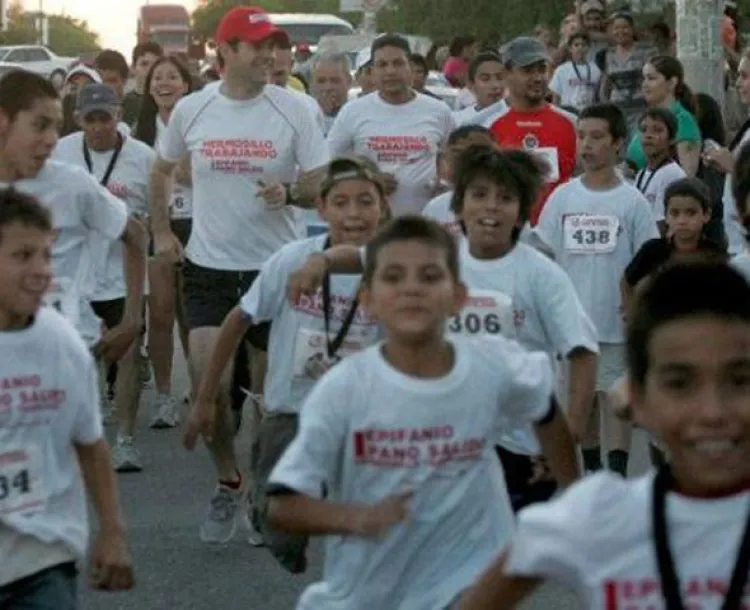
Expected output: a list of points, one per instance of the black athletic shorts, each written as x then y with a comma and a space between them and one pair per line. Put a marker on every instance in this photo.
110, 312
210, 294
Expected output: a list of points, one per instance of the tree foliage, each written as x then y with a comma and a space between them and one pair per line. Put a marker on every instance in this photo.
488, 20
67, 36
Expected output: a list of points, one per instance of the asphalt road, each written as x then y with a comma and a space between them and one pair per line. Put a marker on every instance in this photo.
165, 504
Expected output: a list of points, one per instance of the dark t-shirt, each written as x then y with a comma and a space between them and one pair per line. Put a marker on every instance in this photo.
655, 253
131, 106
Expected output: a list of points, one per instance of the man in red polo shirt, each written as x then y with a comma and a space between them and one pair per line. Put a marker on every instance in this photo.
527, 121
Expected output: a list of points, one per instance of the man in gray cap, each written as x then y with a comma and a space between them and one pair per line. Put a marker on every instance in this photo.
122, 165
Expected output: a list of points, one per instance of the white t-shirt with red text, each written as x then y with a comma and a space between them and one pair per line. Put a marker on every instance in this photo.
83, 212
598, 539
593, 236
234, 145
527, 297
368, 431
403, 139
49, 402
129, 182
297, 345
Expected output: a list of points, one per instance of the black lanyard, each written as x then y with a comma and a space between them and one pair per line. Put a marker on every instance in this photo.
670, 583
333, 346
639, 180
578, 74
112, 161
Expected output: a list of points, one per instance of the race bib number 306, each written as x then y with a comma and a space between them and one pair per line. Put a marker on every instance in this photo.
487, 312
584, 234
21, 481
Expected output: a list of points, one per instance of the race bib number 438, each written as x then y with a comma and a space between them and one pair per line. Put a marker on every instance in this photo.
584, 234
21, 482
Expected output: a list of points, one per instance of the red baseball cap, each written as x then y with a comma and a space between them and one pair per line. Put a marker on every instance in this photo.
248, 24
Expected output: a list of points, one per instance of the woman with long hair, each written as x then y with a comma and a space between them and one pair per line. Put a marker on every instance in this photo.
664, 87
167, 82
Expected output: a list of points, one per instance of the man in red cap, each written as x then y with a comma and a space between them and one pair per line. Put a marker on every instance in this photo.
256, 152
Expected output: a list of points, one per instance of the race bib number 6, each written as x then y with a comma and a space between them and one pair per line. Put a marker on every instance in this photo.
584, 234
21, 482
487, 312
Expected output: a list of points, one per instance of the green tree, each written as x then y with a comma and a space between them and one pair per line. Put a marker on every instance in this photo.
489, 20
67, 36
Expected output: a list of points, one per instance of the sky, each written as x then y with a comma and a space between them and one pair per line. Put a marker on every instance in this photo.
115, 22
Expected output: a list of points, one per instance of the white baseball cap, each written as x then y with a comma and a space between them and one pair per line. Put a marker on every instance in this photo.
85, 71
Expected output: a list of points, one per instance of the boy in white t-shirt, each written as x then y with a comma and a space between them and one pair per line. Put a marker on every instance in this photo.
679, 538
486, 82
516, 291
658, 132
306, 338
406, 428
593, 226
51, 437
576, 82
439, 208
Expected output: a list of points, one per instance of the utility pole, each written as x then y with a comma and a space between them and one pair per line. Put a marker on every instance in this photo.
699, 45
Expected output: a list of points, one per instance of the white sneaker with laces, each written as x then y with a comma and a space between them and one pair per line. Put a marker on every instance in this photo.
125, 456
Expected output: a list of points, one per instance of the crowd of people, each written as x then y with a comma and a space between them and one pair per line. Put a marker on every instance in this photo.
443, 325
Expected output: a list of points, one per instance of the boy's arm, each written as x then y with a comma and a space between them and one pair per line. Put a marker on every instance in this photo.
339, 259
496, 589
111, 565
293, 512
558, 446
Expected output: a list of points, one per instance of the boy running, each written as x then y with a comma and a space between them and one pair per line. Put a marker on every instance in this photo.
406, 429
51, 438
678, 538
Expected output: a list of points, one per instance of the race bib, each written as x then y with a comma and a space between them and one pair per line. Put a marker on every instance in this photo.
584, 234
549, 155
311, 359
181, 203
64, 299
583, 95
21, 480
487, 312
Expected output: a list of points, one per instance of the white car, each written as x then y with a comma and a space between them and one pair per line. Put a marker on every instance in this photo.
40, 60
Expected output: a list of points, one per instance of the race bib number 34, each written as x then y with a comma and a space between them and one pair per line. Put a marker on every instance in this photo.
21, 482
584, 234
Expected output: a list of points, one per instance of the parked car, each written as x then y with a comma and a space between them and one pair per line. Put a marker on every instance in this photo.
40, 60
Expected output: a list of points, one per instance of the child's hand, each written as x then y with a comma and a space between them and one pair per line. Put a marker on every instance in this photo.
111, 566
308, 278
374, 521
